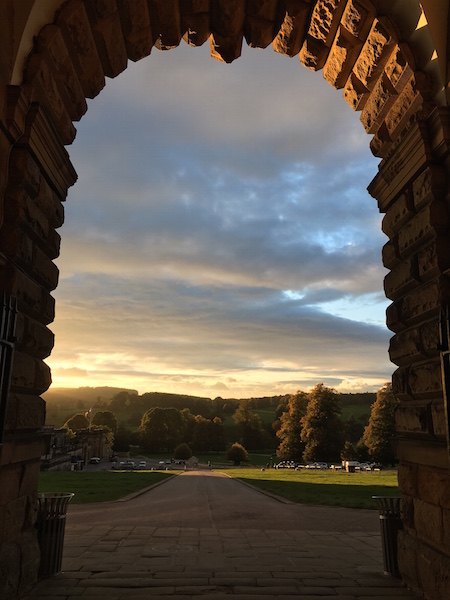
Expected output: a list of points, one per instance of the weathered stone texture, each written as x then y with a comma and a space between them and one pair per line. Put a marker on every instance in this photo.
135, 20
375, 53
325, 19
79, 39
425, 381
45, 87
165, 23
423, 227
430, 185
227, 29
401, 280
398, 214
434, 572
415, 344
52, 46
412, 418
106, 28
293, 27
408, 474
378, 105
30, 375
25, 412
428, 522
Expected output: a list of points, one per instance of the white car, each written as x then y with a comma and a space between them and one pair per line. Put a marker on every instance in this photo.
143, 464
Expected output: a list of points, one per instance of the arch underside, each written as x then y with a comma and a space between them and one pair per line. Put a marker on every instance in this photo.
359, 50
378, 52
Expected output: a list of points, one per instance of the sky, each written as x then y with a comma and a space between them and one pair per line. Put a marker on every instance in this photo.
220, 240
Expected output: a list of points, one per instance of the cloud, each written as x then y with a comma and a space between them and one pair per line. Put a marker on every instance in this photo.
221, 231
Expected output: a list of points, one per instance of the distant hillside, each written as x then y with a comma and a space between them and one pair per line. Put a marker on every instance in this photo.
88, 394
129, 406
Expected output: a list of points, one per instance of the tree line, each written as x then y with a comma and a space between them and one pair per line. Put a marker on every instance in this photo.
307, 427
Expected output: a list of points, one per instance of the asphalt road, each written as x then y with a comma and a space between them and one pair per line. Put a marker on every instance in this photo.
209, 499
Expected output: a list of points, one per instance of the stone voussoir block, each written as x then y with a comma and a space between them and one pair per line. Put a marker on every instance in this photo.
407, 104
358, 17
135, 22
406, 347
165, 22
401, 280
429, 222
32, 298
52, 44
397, 215
380, 100
33, 337
325, 19
425, 380
293, 28
390, 254
24, 172
258, 32
44, 80
25, 412
108, 36
79, 39
377, 50
341, 58
429, 186
197, 29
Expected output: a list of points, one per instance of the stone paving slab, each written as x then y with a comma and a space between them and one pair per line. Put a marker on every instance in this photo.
119, 563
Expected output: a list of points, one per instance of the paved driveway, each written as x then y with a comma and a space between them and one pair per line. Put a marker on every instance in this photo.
204, 535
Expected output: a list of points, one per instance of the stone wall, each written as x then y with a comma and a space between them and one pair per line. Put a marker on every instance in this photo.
412, 189
368, 49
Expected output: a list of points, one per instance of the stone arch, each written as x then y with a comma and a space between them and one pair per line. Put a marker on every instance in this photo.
382, 54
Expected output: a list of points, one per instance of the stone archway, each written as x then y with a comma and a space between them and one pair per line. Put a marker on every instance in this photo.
382, 54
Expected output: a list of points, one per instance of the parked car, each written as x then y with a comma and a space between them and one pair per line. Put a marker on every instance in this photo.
317, 465
95, 460
143, 464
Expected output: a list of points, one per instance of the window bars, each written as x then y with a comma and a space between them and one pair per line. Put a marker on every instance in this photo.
444, 347
8, 318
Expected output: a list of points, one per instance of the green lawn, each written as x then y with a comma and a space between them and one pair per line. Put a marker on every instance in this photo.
350, 490
101, 486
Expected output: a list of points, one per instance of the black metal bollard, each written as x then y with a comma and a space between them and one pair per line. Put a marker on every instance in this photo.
390, 525
51, 524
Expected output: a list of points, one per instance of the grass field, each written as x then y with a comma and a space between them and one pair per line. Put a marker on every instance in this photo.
350, 490
101, 486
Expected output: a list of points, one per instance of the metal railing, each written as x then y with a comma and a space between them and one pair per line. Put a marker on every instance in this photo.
8, 318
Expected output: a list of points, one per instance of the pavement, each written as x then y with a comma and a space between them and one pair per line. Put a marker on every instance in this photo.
202, 535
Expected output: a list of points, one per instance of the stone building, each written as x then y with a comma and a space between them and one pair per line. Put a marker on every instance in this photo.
389, 58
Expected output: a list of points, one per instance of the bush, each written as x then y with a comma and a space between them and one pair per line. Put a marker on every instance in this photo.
237, 454
182, 452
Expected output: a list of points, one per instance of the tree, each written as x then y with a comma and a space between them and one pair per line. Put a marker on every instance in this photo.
161, 429
291, 446
77, 422
322, 426
182, 452
123, 438
380, 431
348, 452
237, 453
249, 425
106, 418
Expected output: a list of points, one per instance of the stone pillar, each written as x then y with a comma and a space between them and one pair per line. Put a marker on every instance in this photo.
412, 189
34, 177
